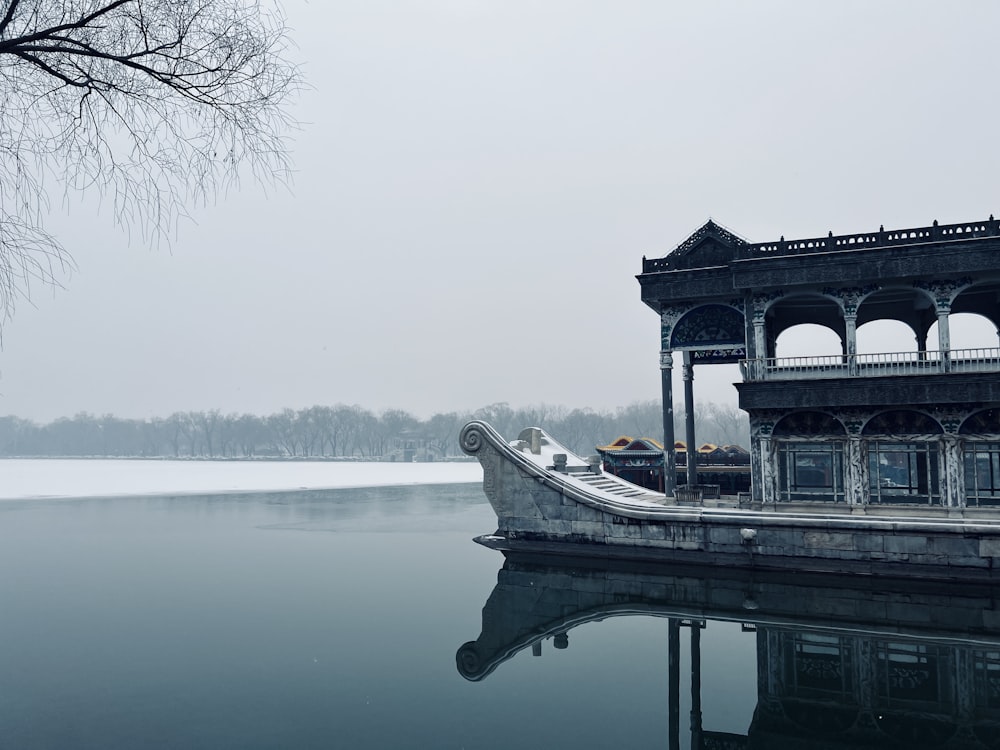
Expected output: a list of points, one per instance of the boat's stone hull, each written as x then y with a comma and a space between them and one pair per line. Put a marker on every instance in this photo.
539, 509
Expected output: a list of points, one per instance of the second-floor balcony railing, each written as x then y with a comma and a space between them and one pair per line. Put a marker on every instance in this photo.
871, 365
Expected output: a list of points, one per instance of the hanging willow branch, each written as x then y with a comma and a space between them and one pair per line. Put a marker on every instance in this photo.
154, 104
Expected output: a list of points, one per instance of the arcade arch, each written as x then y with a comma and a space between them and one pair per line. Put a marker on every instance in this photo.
903, 465
981, 432
808, 340
982, 299
896, 319
810, 452
797, 309
884, 336
968, 330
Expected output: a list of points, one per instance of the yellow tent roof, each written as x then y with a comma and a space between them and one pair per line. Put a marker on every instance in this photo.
624, 441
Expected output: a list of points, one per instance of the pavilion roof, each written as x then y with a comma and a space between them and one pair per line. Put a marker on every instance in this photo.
627, 443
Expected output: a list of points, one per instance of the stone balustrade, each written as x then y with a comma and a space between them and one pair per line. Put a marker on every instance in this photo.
890, 364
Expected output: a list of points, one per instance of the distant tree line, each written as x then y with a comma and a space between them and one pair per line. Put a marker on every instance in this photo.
342, 431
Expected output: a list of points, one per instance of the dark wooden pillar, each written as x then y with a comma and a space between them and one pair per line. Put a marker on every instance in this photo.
674, 682
692, 448
667, 387
695, 685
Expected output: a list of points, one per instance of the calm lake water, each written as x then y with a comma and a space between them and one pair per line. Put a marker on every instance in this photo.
369, 618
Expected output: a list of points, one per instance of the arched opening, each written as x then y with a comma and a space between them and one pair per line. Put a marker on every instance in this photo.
982, 457
903, 457
810, 452
895, 320
812, 310
885, 337
975, 317
808, 340
966, 330
709, 326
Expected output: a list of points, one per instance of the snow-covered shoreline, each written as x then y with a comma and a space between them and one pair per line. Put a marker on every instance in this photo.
76, 478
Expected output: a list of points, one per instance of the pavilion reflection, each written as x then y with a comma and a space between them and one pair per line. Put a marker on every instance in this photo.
841, 662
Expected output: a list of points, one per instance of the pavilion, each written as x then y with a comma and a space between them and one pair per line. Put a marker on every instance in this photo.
919, 424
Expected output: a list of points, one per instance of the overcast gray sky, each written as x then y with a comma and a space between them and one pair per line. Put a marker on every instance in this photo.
478, 182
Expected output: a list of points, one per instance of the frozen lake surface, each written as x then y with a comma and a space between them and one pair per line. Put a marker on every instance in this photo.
54, 478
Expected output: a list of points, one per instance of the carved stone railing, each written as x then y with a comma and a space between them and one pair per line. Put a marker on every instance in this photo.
882, 238
892, 364
843, 242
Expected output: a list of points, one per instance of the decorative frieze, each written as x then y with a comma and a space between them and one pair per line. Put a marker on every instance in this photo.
850, 297
760, 301
668, 319
943, 291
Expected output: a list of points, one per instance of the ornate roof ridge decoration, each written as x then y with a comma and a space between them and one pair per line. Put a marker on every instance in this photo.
707, 229
708, 246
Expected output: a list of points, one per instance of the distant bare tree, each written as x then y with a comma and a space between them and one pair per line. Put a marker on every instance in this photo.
729, 424
284, 432
309, 426
640, 419
154, 104
503, 418
581, 430
442, 431
207, 425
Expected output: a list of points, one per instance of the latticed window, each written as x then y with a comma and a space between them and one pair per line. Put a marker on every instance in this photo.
903, 472
982, 473
819, 666
811, 471
910, 673
810, 457
986, 665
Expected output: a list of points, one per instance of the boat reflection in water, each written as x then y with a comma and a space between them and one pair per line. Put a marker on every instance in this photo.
841, 662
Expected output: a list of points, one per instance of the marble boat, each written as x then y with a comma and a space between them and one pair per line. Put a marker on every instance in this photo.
884, 463
549, 500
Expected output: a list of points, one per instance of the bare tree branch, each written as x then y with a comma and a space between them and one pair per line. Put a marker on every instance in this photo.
156, 104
